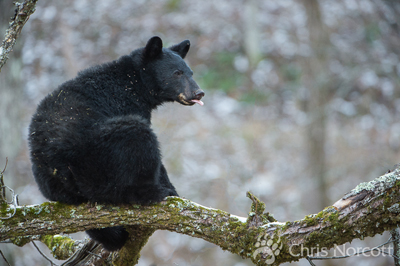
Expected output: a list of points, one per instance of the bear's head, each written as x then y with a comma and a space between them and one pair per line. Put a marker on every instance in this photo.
170, 77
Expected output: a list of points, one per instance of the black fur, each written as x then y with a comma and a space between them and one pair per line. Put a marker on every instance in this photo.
91, 138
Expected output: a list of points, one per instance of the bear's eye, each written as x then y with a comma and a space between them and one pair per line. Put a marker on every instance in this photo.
178, 73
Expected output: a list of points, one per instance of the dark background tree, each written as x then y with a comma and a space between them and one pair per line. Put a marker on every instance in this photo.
255, 124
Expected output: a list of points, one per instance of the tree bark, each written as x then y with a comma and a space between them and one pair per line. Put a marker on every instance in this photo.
369, 209
21, 16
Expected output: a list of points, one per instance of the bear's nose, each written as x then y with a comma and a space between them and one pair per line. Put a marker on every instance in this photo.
199, 94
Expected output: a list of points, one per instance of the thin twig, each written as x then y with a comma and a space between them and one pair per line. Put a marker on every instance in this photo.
4, 258
13, 202
44, 256
94, 254
387, 253
83, 255
396, 245
310, 261
3, 190
3, 196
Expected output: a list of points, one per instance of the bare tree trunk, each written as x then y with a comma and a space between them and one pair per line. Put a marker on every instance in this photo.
316, 79
251, 40
251, 33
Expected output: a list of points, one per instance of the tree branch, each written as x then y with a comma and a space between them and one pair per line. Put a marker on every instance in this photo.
62, 247
369, 209
130, 253
21, 16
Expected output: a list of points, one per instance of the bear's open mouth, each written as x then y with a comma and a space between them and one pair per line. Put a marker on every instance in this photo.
183, 100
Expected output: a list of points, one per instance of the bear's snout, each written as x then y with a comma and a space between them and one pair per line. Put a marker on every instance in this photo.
199, 94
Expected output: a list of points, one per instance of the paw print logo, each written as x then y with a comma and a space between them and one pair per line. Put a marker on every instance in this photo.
267, 248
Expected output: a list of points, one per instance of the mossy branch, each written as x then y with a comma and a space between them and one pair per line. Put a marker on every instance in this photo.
22, 13
369, 209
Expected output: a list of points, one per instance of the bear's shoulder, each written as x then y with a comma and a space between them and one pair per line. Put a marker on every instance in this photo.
124, 64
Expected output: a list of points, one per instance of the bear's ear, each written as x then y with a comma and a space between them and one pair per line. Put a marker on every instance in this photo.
181, 48
153, 48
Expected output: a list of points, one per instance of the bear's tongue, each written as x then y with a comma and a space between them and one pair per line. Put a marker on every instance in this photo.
198, 101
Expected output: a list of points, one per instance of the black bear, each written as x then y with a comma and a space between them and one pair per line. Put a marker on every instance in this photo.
91, 140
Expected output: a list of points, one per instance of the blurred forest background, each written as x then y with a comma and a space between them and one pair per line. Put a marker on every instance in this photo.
302, 103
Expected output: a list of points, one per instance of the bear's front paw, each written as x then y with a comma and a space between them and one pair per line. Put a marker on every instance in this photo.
151, 194
171, 192
165, 192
